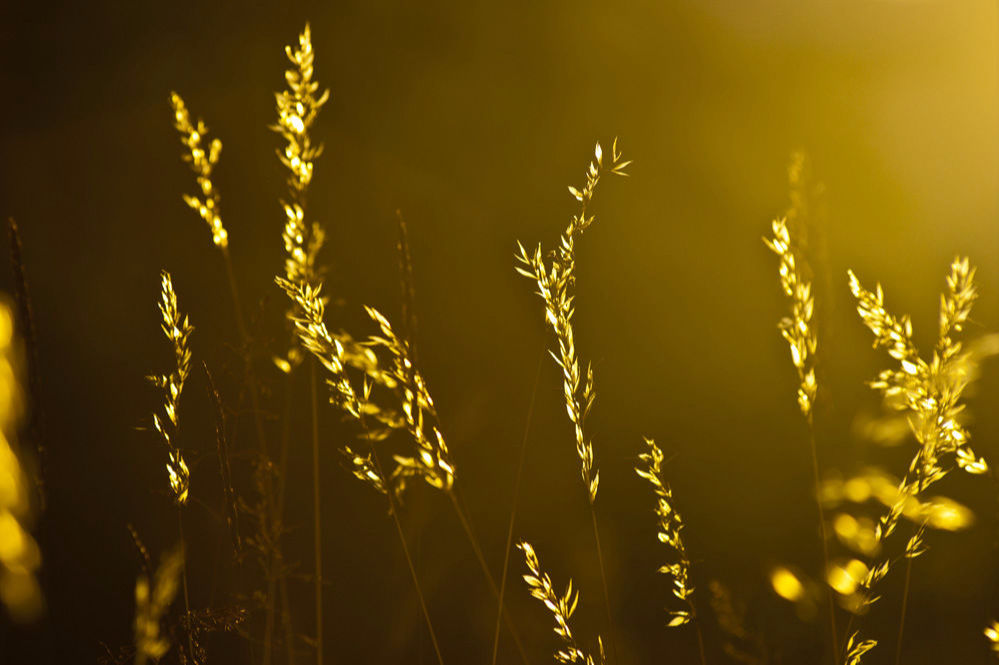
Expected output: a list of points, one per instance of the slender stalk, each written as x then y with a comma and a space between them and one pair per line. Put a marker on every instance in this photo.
183, 574
905, 607
513, 509
317, 523
261, 440
409, 558
603, 581
485, 571
289, 634
825, 543
700, 641
26, 328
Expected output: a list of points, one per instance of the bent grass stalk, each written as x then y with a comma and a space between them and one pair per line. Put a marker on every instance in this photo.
417, 417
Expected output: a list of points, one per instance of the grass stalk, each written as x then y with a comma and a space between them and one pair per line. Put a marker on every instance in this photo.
289, 634
485, 571
409, 558
700, 641
183, 577
317, 522
516, 498
603, 581
825, 541
251, 385
905, 607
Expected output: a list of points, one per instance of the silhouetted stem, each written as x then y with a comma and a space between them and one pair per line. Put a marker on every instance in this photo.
905, 607
317, 523
251, 385
409, 558
825, 545
603, 581
183, 577
513, 509
700, 641
485, 571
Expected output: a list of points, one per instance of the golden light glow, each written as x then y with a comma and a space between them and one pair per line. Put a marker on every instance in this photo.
787, 585
846, 578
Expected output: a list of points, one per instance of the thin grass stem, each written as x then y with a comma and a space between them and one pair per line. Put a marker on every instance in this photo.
516, 497
485, 571
409, 558
183, 574
603, 581
905, 607
317, 522
825, 542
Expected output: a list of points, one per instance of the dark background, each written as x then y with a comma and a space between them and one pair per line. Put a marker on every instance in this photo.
472, 118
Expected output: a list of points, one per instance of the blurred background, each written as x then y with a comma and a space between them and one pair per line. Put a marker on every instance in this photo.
472, 118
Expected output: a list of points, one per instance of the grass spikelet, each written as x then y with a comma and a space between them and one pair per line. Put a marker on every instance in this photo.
432, 461
670, 527
562, 608
202, 159
556, 279
297, 108
992, 635
315, 337
20, 557
798, 329
178, 330
930, 393
152, 600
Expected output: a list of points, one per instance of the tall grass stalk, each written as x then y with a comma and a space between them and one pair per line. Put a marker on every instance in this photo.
317, 519
555, 277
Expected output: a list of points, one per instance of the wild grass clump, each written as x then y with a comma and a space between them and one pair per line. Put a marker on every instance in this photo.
392, 437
